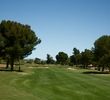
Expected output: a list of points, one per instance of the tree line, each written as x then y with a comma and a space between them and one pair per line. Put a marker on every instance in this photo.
17, 41
98, 56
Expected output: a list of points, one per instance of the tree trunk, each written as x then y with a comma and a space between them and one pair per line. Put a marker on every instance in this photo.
19, 66
12, 63
7, 64
98, 68
102, 69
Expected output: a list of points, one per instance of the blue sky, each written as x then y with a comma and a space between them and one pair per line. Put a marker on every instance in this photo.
61, 24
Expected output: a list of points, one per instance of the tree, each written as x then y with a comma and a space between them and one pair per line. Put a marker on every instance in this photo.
72, 60
76, 51
104, 62
87, 57
37, 61
18, 41
76, 57
101, 50
107, 56
50, 59
61, 58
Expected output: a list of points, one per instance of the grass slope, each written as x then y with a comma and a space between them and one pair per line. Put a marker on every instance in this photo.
53, 84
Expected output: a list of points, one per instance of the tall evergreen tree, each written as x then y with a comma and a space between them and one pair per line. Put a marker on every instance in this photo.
18, 41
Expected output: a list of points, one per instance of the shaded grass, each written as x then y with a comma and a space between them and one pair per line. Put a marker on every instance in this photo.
53, 83
96, 72
9, 70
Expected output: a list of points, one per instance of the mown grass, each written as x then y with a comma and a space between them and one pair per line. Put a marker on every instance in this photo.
53, 83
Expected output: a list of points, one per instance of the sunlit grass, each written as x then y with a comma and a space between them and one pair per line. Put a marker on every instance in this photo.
53, 83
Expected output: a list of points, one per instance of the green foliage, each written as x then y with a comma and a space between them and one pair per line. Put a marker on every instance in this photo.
102, 51
104, 62
37, 61
76, 51
72, 60
50, 59
75, 59
61, 58
87, 57
17, 41
29, 61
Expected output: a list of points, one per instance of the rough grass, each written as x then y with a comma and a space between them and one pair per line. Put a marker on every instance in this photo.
53, 83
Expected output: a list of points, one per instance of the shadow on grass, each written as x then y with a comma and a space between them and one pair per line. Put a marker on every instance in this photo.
96, 72
8, 70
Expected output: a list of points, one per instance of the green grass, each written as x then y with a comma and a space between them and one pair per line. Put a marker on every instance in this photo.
54, 83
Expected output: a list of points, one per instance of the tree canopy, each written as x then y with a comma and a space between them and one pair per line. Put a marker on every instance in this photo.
61, 58
50, 59
102, 51
87, 57
76, 57
17, 41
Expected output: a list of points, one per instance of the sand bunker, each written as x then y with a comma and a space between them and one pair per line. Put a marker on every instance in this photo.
42, 67
22, 73
30, 67
38, 67
71, 68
